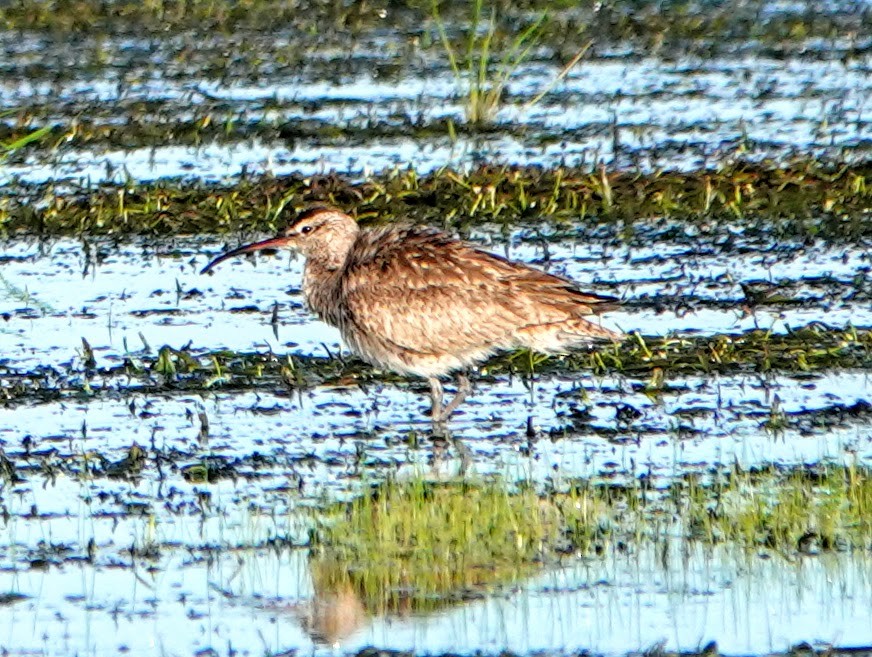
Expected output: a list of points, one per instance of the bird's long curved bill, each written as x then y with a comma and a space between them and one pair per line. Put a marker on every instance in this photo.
272, 243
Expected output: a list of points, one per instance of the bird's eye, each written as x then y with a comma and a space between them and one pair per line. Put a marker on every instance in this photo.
306, 229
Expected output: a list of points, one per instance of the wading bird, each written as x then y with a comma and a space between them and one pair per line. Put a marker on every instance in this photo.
417, 301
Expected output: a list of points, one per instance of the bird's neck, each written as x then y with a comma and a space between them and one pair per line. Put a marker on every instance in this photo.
321, 281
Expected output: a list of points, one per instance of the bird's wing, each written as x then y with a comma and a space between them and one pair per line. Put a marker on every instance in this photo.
426, 292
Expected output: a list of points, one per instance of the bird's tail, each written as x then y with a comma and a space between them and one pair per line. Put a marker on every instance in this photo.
565, 335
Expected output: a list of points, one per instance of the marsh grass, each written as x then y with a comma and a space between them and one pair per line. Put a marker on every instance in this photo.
647, 23
8, 148
788, 200
652, 361
22, 295
418, 545
828, 505
480, 73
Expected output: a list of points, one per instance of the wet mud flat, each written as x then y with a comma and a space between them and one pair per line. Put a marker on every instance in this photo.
191, 465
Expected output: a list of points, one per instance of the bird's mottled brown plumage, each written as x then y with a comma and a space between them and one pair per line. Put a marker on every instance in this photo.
418, 301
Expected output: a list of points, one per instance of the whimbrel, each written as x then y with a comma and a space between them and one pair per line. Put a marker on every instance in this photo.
417, 301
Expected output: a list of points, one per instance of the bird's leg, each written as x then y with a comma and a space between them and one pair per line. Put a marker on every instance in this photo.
439, 413
436, 399
464, 387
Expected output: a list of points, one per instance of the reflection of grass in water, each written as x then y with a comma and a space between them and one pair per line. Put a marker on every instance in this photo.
804, 510
415, 545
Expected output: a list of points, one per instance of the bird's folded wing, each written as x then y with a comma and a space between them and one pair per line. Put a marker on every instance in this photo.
429, 320
455, 297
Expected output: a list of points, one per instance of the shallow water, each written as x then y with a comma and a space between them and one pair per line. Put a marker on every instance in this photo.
180, 605
289, 452
323, 434
625, 112
124, 294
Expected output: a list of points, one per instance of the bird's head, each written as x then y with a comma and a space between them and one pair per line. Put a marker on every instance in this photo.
318, 231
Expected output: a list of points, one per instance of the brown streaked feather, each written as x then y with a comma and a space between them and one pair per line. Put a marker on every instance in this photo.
423, 292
